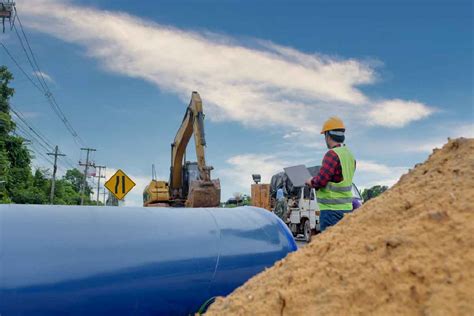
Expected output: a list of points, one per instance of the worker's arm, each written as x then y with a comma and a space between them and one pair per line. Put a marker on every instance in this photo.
327, 171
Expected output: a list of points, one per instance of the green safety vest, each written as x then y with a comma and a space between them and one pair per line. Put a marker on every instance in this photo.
338, 196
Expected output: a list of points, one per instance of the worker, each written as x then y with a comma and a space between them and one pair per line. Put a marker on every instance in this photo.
334, 180
281, 208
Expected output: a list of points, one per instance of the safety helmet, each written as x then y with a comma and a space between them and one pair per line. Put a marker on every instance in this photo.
331, 124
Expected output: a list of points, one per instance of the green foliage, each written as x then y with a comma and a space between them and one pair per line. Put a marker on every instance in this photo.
374, 191
6, 126
18, 184
238, 200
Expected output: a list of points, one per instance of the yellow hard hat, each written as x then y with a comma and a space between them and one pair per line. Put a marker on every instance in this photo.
332, 123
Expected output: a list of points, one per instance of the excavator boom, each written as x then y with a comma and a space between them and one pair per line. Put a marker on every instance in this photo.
201, 192
185, 187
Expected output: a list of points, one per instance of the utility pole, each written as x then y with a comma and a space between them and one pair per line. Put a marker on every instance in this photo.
98, 181
86, 168
104, 194
55, 168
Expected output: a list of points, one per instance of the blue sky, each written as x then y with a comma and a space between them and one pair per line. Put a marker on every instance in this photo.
269, 72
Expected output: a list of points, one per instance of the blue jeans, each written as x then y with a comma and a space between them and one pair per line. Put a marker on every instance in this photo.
328, 218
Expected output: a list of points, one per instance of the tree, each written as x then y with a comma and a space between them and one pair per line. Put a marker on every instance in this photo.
75, 178
374, 191
6, 127
18, 184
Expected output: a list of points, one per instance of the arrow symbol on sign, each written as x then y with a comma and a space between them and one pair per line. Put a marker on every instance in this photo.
117, 183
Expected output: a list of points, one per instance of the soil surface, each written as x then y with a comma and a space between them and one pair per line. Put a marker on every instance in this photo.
409, 251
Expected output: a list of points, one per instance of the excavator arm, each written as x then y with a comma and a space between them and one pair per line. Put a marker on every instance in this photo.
193, 123
204, 190
186, 187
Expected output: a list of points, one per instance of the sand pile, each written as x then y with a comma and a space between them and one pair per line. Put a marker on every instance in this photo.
409, 251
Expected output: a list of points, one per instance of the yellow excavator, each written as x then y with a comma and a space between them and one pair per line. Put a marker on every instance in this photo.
190, 183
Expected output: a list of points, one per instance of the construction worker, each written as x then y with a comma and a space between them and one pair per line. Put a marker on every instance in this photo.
281, 208
334, 180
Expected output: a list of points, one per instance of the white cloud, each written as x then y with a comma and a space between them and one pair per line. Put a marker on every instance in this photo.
260, 86
373, 167
30, 114
427, 145
463, 130
370, 173
44, 75
398, 113
237, 176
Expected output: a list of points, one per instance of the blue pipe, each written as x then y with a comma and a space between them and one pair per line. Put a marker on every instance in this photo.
120, 260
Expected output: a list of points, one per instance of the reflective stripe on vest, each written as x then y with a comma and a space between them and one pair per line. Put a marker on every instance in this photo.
336, 201
334, 188
338, 196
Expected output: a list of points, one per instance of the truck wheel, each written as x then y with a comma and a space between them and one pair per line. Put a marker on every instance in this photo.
293, 230
307, 231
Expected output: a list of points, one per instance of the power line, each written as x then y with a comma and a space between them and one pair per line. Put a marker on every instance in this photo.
31, 51
36, 150
21, 68
28, 58
44, 89
50, 98
42, 86
33, 140
31, 137
40, 136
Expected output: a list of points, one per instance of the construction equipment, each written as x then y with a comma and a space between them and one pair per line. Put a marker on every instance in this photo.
303, 208
300, 200
190, 183
304, 213
157, 192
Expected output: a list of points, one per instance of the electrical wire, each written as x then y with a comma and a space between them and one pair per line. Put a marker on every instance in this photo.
41, 85
37, 133
32, 144
35, 73
21, 68
40, 78
50, 99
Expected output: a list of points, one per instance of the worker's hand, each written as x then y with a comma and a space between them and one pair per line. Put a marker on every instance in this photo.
308, 182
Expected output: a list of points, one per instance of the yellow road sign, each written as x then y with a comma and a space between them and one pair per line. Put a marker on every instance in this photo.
119, 184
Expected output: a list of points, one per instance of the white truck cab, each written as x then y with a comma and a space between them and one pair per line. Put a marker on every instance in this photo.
304, 214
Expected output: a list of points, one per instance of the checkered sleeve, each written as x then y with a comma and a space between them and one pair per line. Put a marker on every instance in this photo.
327, 171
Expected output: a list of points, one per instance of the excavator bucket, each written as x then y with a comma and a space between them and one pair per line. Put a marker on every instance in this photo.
204, 194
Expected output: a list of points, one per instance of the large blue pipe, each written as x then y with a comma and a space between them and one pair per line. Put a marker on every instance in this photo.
141, 261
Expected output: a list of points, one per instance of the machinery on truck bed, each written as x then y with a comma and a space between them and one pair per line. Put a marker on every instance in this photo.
190, 183
300, 200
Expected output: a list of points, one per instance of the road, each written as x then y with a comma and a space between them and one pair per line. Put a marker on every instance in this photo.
300, 242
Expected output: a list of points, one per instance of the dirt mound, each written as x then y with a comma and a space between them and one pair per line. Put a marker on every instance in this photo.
409, 251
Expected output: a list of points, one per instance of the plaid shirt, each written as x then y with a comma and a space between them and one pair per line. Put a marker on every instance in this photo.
331, 171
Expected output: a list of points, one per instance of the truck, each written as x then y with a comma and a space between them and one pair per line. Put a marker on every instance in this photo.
301, 201
303, 214
303, 210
